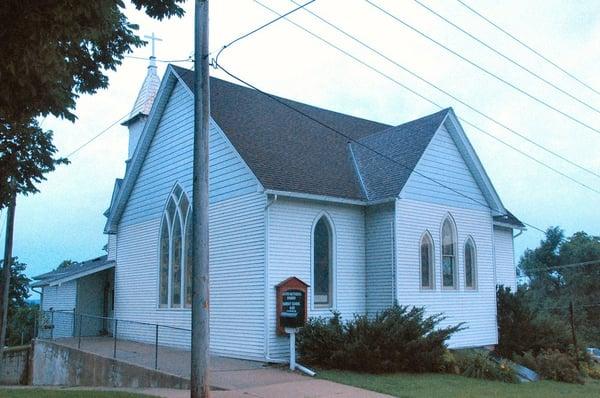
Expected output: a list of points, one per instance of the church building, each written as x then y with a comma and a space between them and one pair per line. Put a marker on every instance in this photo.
397, 214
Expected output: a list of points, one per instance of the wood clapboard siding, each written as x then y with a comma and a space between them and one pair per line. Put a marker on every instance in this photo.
379, 257
169, 159
476, 308
506, 272
112, 247
60, 298
290, 224
443, 162
237, 239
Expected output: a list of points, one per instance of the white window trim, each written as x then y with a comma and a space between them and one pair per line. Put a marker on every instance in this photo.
432, 274
170, 226
333, 254
455, 278
474, 271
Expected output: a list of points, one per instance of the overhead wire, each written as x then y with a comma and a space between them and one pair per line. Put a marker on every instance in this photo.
483, 69
499, 53
387, 76
96, 136
169, 61
525, 45
424, 80
333, 129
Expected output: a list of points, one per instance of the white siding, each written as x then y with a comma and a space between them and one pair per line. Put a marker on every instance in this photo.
380, 257
290, 224
476, 308
443, 162
112, 247
506, 272
60, 299
237, 239
169, 159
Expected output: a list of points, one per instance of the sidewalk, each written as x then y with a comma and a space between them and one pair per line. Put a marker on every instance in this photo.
307, 388
229, 378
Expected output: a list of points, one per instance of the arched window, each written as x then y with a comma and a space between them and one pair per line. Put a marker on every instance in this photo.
448, 254
322, 264
175, 252
427, 261
470, 264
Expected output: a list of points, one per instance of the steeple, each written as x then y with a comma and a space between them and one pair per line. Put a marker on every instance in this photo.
143, 103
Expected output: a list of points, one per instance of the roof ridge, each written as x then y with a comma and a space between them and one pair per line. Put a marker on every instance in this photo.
295, 102
445, 110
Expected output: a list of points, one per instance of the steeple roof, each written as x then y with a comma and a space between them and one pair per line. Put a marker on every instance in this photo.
145, 98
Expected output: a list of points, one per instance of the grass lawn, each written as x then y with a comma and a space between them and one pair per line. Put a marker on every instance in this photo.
58, 393
448, 386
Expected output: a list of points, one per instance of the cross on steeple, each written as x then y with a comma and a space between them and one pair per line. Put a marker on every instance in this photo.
154, 39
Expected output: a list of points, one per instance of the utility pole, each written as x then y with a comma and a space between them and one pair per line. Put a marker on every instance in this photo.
8, 245
200, 292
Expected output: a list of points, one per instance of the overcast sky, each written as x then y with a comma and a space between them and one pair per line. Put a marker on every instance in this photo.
65, 220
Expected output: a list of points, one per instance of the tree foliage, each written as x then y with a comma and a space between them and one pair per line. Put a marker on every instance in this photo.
26, 155
52, 52
554, 287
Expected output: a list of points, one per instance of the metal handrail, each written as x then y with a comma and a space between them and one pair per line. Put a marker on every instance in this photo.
116, 319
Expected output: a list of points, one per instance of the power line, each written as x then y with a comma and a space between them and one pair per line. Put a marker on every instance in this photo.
347, 137
427, 99
551, 268
483, 69
472, 36
527, 46
169, 61
96, 136
501, 124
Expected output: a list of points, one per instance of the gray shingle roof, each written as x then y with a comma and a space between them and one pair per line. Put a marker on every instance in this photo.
289, 152
382, 177
285, 150
84, 268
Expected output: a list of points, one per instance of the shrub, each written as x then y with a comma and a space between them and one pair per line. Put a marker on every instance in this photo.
522, 329
590, 369
478, 364
396, 339
552, 365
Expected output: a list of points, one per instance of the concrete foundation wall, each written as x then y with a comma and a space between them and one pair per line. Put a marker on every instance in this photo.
15, 363
55, 364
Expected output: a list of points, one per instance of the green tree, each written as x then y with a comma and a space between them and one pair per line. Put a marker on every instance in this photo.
65, 264
552, 287
52, 52
19, 285
21, 314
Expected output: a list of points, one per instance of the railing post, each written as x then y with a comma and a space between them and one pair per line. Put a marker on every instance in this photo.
52, 324
35, 321
80, 323
156, 349
115, 338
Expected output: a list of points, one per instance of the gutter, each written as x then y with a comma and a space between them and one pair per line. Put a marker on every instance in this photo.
327, 198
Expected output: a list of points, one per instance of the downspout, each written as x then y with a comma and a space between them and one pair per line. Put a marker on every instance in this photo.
519, 234
266, 273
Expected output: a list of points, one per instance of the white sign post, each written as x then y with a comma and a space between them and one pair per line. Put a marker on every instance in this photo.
293, 365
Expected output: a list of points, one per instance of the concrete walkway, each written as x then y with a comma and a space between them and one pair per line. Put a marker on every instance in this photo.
229, 378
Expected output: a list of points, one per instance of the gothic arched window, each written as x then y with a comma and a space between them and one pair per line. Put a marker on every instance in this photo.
175, 252
323, 263
427, 261
470, 264
448, 253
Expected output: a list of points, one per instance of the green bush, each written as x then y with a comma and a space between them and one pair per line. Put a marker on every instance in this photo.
522, 329
478, 364
396, 339
552, 365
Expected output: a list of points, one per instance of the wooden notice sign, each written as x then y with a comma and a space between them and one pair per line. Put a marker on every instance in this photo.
291, 304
